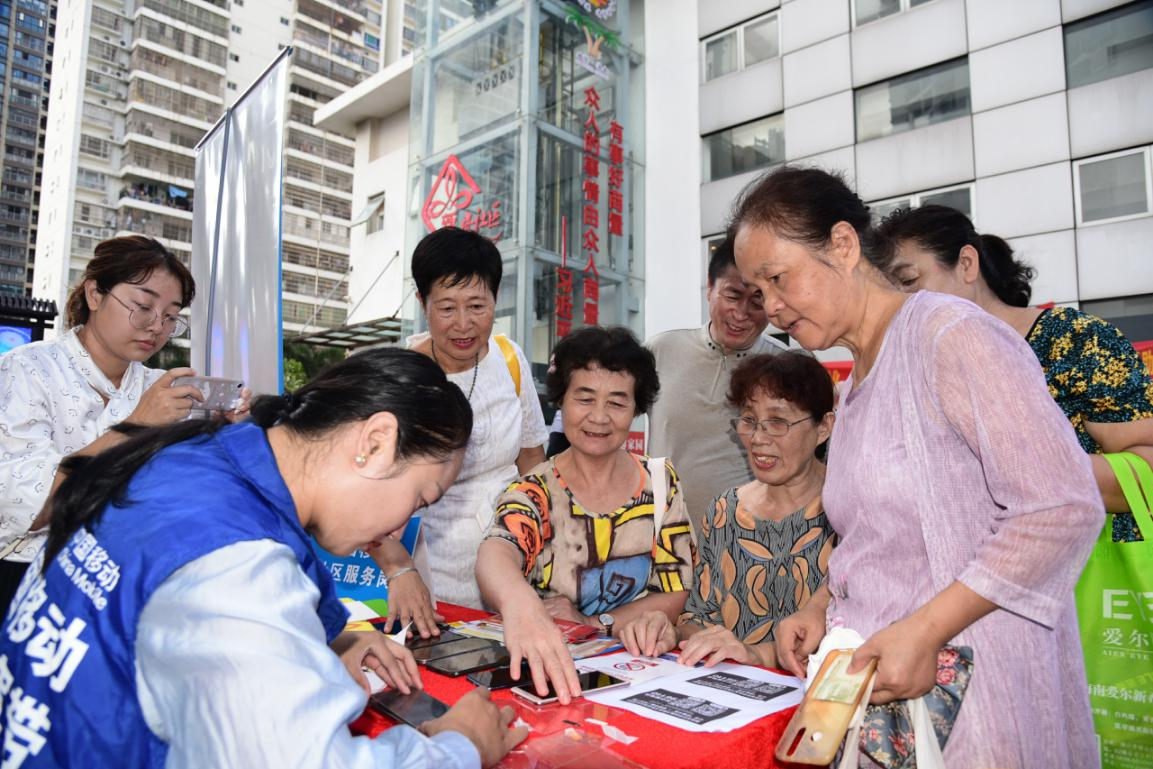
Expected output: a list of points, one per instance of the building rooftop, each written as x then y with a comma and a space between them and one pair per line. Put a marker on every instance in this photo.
382, 94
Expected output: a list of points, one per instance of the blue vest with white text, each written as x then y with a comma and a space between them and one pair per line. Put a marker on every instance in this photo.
67, 649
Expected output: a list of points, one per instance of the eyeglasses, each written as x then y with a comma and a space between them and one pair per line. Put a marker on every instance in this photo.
144, 318
774, 426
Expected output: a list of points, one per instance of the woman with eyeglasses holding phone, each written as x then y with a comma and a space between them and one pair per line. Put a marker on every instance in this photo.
60, 397
763, 547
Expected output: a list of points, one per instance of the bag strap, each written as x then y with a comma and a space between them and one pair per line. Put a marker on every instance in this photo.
660, 493
1144, 480
510, 359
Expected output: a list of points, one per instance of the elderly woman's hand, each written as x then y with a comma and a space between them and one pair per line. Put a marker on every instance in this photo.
799, 635
362, 650
561, 607
649, 635
717, 643
906, 655
530, 634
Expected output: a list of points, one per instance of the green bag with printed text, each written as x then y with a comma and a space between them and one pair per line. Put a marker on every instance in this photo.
1115, 613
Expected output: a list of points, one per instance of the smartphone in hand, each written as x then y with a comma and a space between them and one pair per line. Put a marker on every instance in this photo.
220, 393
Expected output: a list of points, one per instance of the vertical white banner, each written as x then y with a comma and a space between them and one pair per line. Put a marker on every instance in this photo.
236, 318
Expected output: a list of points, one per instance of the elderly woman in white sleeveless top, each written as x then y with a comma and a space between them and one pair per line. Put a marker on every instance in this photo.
457, 275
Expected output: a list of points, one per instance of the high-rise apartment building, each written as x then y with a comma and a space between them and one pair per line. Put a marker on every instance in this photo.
25, 54
139, 82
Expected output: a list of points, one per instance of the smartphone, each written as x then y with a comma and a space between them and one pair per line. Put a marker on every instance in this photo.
500, 678
220, 394
446, 635
589, 682
426, 654
470, 662
413, 709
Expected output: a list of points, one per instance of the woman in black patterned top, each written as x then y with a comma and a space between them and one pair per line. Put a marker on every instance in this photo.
764, 547
1092, 370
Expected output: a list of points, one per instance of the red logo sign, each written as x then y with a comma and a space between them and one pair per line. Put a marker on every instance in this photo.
449, 199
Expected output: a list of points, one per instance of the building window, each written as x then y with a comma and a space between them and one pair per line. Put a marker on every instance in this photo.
1109, 45
372, 213
959, 197
235, 29
931, 95
1113, 187
865, 11
231, 86
284, 21
744, 148
740, 47
234, 57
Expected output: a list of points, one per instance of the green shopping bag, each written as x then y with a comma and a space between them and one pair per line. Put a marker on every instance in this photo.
1115, 611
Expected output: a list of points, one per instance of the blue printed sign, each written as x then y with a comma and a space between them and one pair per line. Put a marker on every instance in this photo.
357, 576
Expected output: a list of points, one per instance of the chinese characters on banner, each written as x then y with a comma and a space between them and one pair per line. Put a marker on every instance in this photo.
590, 218
563, 286
590, 210
449, 199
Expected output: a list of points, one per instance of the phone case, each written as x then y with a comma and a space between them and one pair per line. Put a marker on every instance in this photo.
818, 727
220, 394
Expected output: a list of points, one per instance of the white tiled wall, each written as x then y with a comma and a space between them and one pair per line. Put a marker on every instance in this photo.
1037, 62
928, 34
1016, 149
1021, 135
934, 156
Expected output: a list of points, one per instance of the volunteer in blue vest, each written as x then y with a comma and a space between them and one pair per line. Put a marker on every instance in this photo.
457, 275
178, 617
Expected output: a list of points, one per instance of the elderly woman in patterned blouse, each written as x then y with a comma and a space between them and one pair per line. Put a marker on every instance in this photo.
764, 546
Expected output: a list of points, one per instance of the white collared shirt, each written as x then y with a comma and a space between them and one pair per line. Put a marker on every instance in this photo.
50, 407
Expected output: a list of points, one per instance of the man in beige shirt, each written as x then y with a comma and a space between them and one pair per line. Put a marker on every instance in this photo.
689, 423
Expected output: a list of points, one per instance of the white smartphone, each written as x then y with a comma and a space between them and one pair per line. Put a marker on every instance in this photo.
589, 682
220, 394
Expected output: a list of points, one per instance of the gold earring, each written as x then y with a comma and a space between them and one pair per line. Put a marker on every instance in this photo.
360, 460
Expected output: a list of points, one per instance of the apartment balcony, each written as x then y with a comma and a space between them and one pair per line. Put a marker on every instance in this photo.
157, 198
155, 221
320, 149
182, 104
214, 22
21, 158
325, 67
161, 129
161, 165
310, 231
317, 201
326, 262
361, 58
167, 67
23, 101
168, 36
320, 176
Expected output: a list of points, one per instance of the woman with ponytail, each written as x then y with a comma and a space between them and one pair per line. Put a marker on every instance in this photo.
178, 617
1092, 370
60, 397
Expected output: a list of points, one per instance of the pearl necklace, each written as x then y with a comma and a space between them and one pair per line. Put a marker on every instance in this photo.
475, 368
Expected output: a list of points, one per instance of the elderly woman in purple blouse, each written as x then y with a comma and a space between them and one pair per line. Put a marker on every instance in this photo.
965, 507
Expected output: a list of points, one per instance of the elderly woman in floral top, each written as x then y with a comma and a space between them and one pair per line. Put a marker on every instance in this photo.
764, 546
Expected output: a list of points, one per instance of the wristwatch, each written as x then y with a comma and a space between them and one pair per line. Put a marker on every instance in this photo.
607, 620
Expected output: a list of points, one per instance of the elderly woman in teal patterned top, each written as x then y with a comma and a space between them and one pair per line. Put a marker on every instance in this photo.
1092, 370
764, 546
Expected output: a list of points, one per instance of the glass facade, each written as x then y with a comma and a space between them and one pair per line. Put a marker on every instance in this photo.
523, 121
1109, 45
918, 99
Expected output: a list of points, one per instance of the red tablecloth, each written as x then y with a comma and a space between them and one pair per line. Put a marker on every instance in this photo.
658, 747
